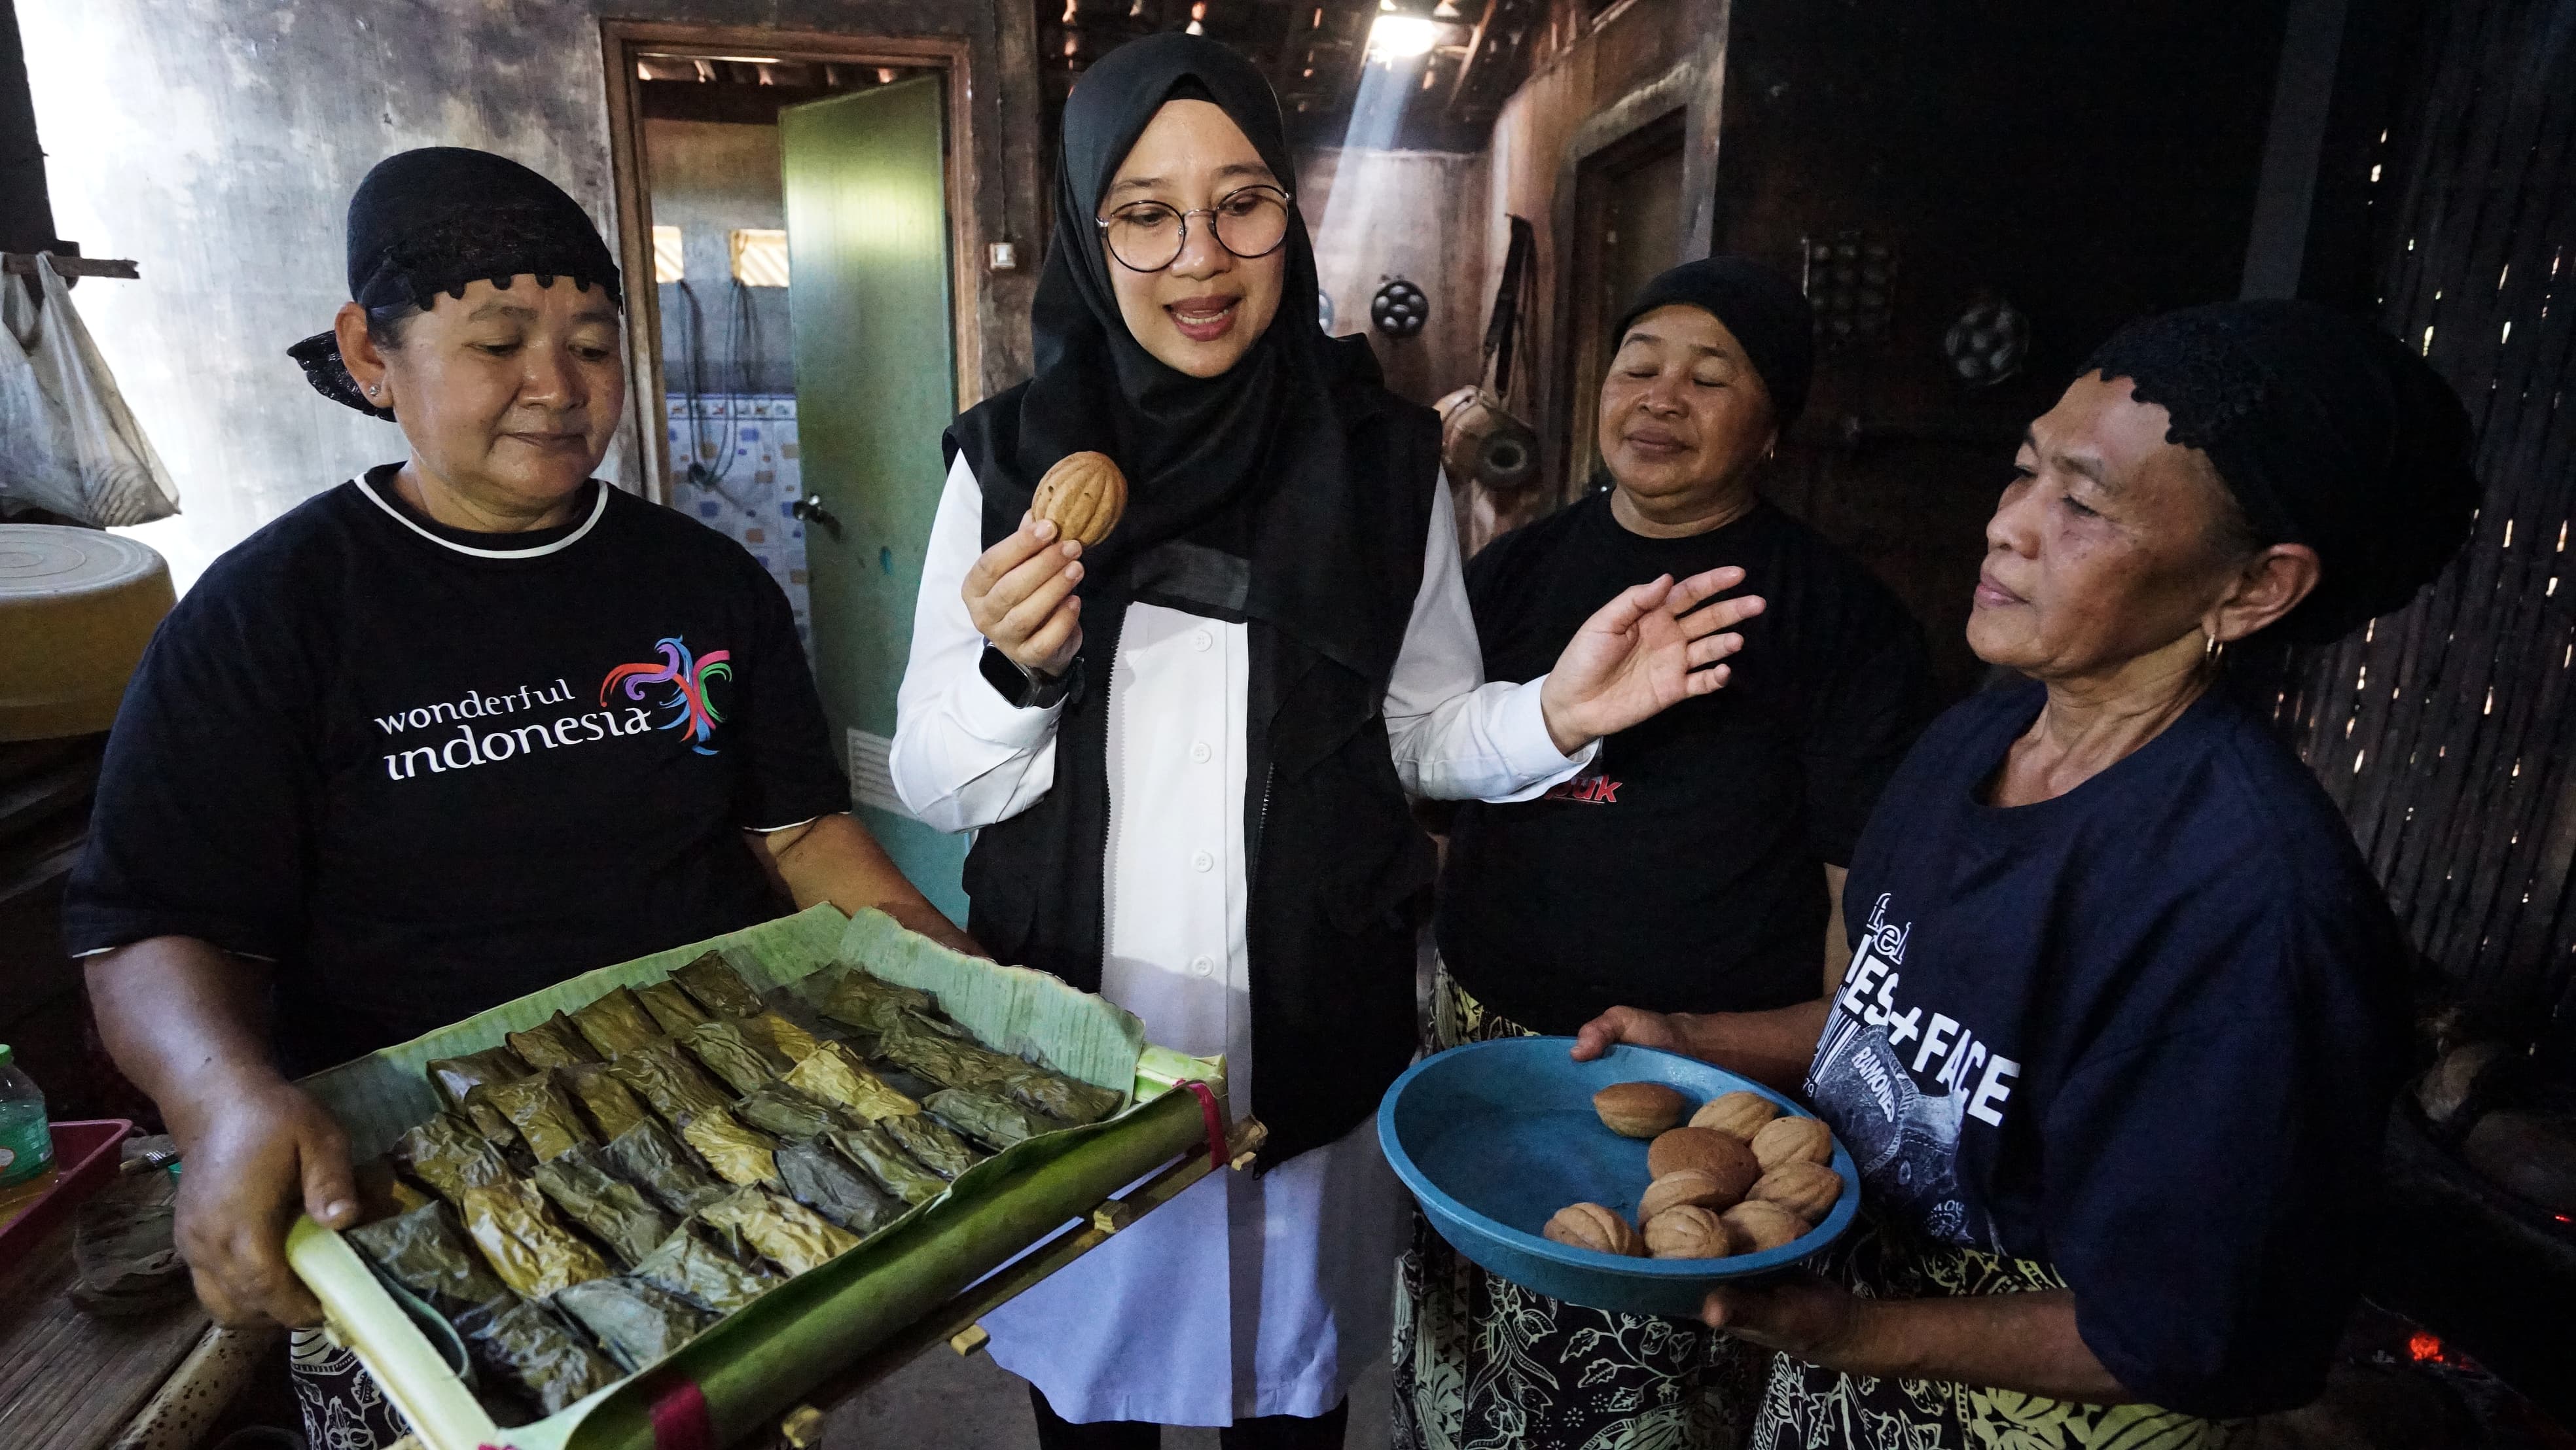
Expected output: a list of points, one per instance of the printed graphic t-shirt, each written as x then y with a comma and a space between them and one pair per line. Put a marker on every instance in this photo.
2145, 1032
426, 771
1684, 871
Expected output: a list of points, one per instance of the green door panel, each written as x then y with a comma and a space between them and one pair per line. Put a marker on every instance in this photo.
869, 310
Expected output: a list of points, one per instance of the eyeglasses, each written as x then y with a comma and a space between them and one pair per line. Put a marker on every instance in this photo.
1147, 236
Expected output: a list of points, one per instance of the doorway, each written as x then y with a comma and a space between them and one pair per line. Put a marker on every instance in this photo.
796, 199
1628, 205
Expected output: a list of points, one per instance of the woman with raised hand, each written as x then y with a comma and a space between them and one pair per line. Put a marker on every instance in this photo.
1694, 866
1186, 750
2125, 1007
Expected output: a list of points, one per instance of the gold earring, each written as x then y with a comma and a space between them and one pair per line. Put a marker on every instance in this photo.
2212, 650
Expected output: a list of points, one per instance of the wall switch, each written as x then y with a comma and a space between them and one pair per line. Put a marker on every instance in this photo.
1002, 257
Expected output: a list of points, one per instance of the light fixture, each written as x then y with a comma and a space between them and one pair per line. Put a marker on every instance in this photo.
1402, 37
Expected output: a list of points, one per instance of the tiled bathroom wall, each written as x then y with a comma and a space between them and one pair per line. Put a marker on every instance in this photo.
745, 447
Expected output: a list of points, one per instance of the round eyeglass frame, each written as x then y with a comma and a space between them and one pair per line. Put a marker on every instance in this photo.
1287, 204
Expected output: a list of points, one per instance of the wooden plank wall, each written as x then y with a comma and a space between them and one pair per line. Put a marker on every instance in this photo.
2447, 731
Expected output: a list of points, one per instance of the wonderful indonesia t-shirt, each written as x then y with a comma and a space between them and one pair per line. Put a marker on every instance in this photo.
426, 771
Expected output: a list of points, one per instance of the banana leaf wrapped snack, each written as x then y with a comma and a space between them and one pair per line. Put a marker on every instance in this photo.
1058, 1096
607, 1207
647, 1156
540, 1112
672, 1009
916, 1043
779, 1036
383, 1193
883, 1159
824, 1181
835, 1075
921, 1045
668, 1080
523, 1345
738, 1154
785, 1232
425, 1252
701, 1273
781, 1110
448, 1156
554, 1042
731, 1055
718, 986
456, 1078
865, 1000
610, 1104
988, 1117
636, 1322
932, 1145
522, 1242
616, 1023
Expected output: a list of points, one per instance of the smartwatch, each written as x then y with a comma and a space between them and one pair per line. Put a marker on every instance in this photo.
1023, 688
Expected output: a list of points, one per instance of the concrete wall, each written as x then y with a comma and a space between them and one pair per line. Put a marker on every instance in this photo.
1412, 214
708, 179
217, 143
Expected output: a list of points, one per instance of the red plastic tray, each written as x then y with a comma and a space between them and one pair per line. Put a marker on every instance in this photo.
85, 1158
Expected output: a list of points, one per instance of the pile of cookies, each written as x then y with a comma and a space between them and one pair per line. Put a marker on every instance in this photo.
1738, 1179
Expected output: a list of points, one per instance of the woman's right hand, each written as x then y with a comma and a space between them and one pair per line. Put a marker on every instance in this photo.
1772, 1047
1663, 1030
1020, 595
254, 1159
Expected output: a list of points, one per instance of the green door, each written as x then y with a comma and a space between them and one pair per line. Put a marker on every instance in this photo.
868, 303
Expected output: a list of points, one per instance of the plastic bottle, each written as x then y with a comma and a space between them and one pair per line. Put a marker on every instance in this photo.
26, 1139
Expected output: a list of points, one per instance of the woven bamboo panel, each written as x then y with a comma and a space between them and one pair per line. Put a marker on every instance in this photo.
2447, 731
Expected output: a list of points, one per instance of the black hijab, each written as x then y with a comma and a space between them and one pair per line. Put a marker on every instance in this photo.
2329, 433
1211, 463
430, 221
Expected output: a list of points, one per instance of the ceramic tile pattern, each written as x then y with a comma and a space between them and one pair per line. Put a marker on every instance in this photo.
747, 478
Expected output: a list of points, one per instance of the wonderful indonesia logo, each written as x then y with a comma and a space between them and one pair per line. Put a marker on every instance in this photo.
486, 734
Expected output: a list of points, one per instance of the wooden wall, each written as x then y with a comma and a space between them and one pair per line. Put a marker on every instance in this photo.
2447, 731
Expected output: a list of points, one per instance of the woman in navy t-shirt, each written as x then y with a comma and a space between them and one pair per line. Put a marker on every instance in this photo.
2125, 1006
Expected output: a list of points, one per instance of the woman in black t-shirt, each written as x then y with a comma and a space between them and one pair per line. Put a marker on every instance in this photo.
1693, 865
2116, 1046
439, 737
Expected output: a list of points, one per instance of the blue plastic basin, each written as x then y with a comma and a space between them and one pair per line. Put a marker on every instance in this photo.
1494, 1137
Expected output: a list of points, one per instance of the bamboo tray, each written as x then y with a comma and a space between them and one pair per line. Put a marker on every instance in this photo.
833, 1328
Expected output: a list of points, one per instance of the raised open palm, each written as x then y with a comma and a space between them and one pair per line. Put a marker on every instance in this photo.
1650, 648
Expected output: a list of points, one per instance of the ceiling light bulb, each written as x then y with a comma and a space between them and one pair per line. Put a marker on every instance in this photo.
1398, 37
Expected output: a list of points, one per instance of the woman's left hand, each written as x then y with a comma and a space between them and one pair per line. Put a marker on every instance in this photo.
1651, 647
1802, 1314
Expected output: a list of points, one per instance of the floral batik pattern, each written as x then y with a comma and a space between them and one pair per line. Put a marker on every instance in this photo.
1809, 1408
1484, 1364
344, 1408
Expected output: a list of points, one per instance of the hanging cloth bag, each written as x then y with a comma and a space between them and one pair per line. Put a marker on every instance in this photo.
1480, 439
68, 443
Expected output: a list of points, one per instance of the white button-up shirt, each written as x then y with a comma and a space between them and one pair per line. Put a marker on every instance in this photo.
1244, 1296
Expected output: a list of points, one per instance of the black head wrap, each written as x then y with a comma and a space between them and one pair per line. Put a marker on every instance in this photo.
1767, 313
2328, 432
432, 220
1201, 455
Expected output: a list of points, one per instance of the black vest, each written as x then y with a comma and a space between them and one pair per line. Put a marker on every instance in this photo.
1338, 872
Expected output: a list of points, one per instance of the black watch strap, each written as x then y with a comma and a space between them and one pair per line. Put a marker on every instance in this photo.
1023, 688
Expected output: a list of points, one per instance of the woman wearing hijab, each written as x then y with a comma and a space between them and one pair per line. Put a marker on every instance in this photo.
2125, 1008
1748, 800
451, 732
1186, 751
